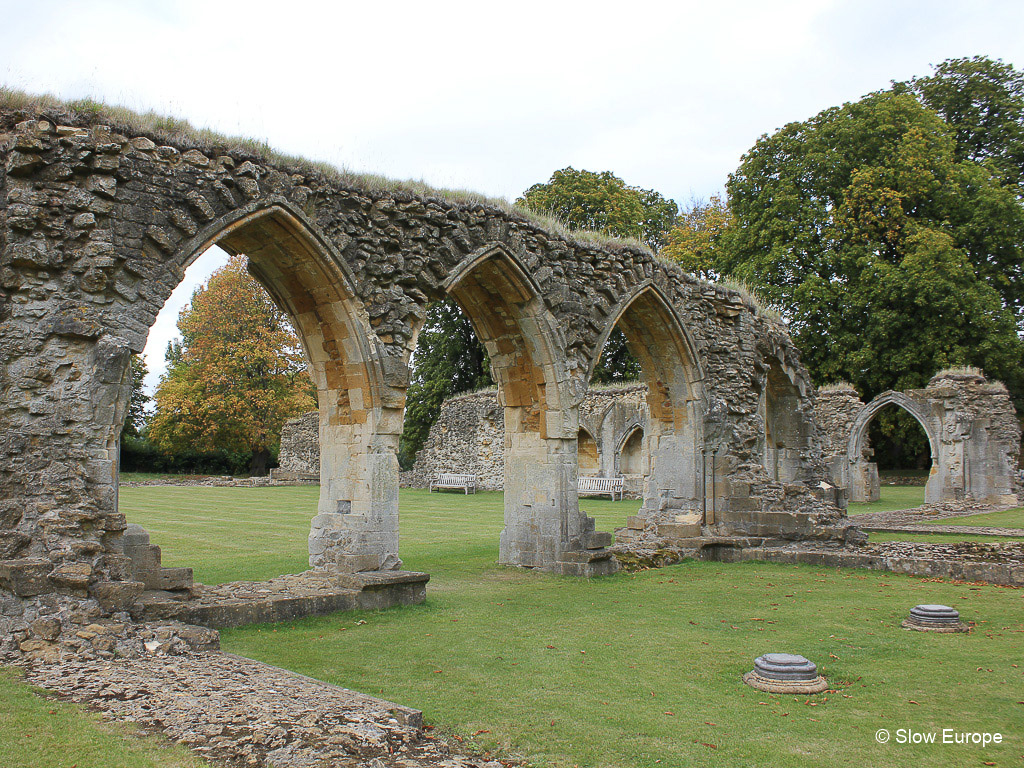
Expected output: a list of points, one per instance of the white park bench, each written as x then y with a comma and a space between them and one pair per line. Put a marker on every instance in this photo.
446, 480
593, 486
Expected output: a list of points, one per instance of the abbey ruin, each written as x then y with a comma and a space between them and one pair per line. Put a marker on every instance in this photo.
99, 219
99, 222
972, 429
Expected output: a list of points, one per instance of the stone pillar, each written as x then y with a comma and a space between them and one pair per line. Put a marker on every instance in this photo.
541, 505
672, 474
544, 527
356, 526
864, 483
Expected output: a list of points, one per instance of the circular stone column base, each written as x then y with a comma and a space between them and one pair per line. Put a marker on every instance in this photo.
959, 626
754, 680
934, 618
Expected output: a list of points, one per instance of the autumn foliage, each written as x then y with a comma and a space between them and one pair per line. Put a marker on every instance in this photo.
236, 375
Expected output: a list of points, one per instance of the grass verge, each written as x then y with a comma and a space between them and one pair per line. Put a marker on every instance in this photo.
39, 732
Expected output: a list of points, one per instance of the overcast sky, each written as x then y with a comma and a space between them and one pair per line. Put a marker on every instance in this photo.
492, 96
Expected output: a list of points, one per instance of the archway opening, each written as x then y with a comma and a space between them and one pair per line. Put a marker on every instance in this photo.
667, 453
527, 359
449, 360
892, 449
356, 503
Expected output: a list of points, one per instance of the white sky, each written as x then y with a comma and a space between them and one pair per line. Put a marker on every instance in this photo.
492, 96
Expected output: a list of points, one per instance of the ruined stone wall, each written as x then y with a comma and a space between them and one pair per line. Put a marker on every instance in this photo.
468, 438
299, 455
973, 433
99, 217
469, 434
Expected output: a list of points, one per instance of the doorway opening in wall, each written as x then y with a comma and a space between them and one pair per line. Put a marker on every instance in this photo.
895, 453
222, 371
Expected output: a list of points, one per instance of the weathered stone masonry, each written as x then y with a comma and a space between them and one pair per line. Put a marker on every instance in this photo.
972, 428
99, 222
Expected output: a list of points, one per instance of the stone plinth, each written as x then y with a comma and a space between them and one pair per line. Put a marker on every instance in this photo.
934, 618
785, 673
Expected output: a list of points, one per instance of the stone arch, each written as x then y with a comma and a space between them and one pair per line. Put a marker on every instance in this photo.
629, 451
672, 371
356, 526
528, 360
862, 475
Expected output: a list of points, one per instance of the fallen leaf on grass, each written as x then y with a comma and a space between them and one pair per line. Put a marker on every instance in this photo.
482, 730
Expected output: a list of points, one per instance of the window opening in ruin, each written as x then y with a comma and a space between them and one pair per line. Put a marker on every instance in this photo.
631, 455
587, 456
786, 433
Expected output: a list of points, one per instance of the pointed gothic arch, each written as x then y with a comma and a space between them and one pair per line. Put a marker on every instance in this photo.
671, 368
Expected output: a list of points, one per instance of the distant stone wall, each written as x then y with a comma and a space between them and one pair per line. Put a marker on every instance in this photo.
469, 438
299, 457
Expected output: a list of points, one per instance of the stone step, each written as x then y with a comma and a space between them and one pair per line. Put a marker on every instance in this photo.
597, 540
584, 555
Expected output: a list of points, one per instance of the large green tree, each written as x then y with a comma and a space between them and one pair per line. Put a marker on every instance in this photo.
890, 256
235, 376
604, 203
982, 100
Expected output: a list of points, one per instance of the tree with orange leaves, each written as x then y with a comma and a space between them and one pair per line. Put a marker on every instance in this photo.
235, 376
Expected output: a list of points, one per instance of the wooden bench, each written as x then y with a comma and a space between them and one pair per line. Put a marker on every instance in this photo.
466, 482
594, 486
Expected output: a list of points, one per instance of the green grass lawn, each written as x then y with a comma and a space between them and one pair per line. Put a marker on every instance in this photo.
625, 650
627, 670
1008, 518
892, 497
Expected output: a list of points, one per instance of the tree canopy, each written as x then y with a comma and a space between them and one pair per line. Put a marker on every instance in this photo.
890, 257
236, 375
697, 240
605, 203
889, 231
982, 100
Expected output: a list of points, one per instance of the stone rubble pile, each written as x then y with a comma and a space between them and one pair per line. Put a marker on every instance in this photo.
239, 712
